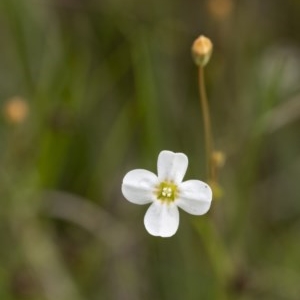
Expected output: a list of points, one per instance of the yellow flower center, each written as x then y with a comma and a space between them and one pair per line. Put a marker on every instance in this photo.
167, 191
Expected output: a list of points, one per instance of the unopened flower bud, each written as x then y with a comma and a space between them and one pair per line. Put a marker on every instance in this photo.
220, 9
202, 50
15, 110
218, 159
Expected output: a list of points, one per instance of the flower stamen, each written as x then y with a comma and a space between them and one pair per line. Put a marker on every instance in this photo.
166, 191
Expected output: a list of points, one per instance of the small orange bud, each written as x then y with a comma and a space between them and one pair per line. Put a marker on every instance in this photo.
15, 110
202, 50
218, 159
220, 9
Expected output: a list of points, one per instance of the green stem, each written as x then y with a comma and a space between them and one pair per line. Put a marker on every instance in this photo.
221, 262
208, 139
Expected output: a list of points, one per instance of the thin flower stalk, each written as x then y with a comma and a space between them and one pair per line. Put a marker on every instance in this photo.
208, 138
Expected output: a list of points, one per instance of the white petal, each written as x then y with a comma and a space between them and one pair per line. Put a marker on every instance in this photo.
171, 166
194, 197
139, 185
162, 219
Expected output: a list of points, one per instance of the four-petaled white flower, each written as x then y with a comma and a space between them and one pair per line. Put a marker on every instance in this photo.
166, 192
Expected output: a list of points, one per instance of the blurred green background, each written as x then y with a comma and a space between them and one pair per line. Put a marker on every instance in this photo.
92, 89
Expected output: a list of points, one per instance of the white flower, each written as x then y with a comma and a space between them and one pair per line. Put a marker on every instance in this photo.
166, 192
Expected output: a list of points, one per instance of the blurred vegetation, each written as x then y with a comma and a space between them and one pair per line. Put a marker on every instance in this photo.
92, 89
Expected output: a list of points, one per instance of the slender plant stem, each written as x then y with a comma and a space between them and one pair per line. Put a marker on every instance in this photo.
220, 259
206, 124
